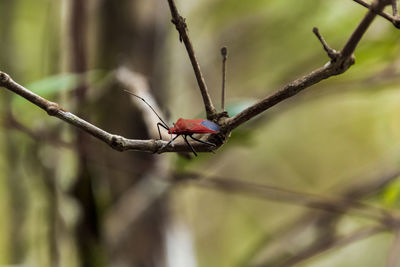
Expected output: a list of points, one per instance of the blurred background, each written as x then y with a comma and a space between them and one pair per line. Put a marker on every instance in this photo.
68, 199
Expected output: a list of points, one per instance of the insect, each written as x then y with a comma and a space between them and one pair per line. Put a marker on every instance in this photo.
184, 127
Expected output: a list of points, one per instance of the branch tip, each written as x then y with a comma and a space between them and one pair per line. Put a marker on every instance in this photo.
224, 52
332, 53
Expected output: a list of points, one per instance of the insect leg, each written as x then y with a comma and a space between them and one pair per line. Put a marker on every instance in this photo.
201, 141
170, 141
187, 142
158, 127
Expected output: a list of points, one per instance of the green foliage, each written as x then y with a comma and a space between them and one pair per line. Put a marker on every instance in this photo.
391, 196
51, 85
234, 107
55, 84
50, 88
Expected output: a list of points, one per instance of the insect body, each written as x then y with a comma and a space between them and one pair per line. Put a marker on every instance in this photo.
185, 128
191, 126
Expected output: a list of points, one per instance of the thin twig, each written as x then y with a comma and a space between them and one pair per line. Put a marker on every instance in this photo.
332, 53
364, 188
339, 242
338, 205
392, 19
273, 193
351, 44
335, 67
115, 141
181, 27
286, 92
224, 53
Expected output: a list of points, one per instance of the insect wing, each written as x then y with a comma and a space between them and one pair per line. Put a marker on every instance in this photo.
203, 126
196, 126
211, 126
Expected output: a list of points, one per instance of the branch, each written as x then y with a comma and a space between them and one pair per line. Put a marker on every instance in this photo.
365, 187
114, 141
338, 242
332, 53
386, 219
376, 7
395, 20
273, 193
340, 62
181, 27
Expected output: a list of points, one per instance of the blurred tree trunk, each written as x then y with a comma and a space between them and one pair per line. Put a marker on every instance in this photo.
13, 156
122, 40
127, 36
87, 228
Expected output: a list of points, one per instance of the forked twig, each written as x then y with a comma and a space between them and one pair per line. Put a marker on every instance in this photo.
338, 64
341, 63
395, 20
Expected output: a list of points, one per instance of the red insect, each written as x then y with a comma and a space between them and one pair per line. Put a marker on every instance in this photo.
185, 128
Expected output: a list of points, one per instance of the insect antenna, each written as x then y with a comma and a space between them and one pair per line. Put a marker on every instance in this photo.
165, 124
